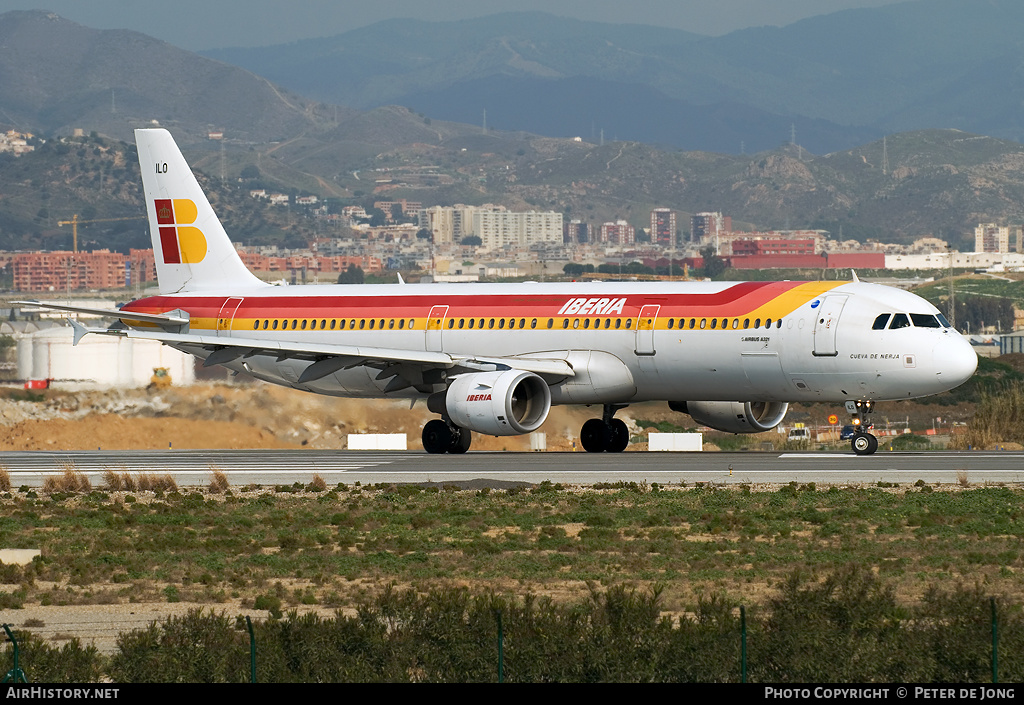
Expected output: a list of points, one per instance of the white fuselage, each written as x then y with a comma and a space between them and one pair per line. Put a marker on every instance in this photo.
626, 342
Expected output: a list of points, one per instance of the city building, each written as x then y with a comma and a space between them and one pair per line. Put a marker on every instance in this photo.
989, 237
68, 271
618, 233
663, 227
705, 228
500, 229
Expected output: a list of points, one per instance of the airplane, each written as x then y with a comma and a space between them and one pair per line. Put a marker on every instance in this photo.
494, 358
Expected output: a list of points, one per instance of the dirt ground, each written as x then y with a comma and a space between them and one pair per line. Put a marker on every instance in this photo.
240, 416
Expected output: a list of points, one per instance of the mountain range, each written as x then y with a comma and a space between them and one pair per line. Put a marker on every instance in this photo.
56, 76
840, 79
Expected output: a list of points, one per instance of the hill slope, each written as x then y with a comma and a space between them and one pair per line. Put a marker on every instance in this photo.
908, 66
56, 75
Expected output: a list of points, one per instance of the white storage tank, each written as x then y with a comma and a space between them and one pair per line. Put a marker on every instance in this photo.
98, 360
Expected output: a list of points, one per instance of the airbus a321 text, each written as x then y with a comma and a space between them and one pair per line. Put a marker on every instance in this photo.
494, 358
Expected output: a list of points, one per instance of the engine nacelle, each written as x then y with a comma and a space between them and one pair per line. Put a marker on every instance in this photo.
504, 403
735, 416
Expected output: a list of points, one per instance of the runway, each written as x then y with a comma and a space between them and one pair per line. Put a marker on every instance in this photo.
193, 468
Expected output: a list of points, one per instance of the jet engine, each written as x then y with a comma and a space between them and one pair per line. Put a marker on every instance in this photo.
502, 403
734, 416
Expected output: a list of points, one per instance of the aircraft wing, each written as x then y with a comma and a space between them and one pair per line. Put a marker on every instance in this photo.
327, 358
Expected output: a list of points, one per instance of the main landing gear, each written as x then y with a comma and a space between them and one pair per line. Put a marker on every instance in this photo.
863, 443
606, 433
440, 436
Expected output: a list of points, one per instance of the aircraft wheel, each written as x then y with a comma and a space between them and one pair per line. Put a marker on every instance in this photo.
594, 436
461, 440
864, 444
437, 437
618, 436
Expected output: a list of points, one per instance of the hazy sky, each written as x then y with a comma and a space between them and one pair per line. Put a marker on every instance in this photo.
214, 24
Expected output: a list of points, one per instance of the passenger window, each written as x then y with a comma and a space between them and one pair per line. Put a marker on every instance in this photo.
462, 323
735, 323
703, 323
768, 323
924, 320
629, 323
607, 323
714, 323
746, 323
565, 323
586, 323
391, 324
472, 322
693, 321
618, 323
522, 322
341, 324
880, 322
533, 323
412, 322
255, 325
372, 322
501, 323
757, 323
490, 323
401, 323
273, 325
671, 323
352, 324
362, 323
551, 323
323, 323
451, 323
899, 320
778, 324
334, 323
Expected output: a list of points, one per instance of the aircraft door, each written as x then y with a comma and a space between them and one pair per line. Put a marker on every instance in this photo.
826, 323
645, 329
227, 315
435, 326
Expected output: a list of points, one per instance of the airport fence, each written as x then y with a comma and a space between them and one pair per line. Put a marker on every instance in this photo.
847, 628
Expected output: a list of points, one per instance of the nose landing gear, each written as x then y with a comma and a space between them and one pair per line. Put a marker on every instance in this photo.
863, 443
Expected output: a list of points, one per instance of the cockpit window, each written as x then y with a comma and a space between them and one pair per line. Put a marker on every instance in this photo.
924, 320
943, 321
880, 322
899, 320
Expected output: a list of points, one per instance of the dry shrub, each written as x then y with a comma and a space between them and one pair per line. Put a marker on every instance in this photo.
153, 483
117, 482
70, 481
112, 480
999, 418
961, 477
318, 484
219, 481
5, 479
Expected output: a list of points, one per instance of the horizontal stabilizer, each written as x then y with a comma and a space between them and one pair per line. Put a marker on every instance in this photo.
171, 318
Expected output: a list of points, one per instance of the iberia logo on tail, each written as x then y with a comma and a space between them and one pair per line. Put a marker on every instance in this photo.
179, 242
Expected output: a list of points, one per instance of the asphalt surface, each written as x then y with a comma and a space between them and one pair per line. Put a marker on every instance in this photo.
193, 468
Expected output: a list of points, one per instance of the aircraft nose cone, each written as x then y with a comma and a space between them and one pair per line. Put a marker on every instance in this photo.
955, 361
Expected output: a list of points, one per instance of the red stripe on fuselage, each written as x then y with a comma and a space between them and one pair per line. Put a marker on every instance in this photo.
733, 301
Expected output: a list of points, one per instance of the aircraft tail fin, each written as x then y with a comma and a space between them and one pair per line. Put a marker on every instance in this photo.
193, 253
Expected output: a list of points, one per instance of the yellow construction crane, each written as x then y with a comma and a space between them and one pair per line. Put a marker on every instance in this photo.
75, 221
